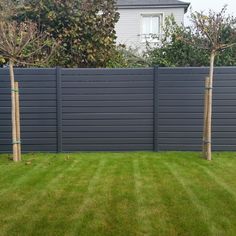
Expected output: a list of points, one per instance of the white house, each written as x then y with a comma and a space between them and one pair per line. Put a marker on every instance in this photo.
141, 19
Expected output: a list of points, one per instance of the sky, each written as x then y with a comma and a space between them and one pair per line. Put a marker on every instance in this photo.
198, 5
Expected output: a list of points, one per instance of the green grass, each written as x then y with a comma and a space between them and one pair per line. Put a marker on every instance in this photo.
118, 194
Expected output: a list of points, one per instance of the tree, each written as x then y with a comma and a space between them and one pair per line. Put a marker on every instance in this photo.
19, 44
213, 32
85, 29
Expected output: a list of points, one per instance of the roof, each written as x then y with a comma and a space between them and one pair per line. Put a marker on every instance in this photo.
152, 4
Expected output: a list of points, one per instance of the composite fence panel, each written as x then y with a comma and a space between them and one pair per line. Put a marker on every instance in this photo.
38, 109
107, 110
180, 117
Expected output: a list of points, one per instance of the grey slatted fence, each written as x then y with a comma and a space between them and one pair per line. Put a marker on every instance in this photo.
118, 109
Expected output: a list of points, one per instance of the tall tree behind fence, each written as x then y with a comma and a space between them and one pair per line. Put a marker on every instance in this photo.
118, 109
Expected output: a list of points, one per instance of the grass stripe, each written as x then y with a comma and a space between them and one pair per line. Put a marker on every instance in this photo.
67, 195
210, 195
142, 212
218, 181
202, 209
32, 198
87, 199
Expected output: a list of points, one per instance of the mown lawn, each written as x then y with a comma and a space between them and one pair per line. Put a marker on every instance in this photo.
118, 194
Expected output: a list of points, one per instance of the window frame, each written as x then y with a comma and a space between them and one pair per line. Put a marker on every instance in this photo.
161, 22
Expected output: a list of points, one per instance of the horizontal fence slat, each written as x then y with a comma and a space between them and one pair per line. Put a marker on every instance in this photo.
30, 148
28, 135
83, 91
41, 128
31, 141
197, 133
110, 84
107, 97
111, 147
124, 134
196, 128
37, 122
174, 147
147, 128
101, 116
41, 91
216, 97
196, 109
29, 103
108, 122
107, 103
108, 78
73, 110
29, 71
31, 84
196, 70
195, 78
91, 71
68, 141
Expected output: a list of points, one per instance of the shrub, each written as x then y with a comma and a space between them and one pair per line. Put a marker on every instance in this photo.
124, 57
172, 51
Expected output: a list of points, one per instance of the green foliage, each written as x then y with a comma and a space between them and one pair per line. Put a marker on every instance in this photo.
173, 51
2, 60
85, 33
83, 29
123, 57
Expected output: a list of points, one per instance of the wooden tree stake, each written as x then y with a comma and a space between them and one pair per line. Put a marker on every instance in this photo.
18, 136
204, 139
13, 111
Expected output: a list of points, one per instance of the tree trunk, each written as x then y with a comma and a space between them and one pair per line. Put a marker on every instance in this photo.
209, 110
13, 111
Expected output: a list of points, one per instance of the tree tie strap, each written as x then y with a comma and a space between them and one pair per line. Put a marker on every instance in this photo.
208, 88
16, 142
207, 142
15, 90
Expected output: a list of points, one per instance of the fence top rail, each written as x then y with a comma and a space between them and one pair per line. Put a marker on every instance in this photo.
104, 71
119, 71
196, 70
29, 71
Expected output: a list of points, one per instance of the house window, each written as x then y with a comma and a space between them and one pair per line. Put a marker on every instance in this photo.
151, 28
